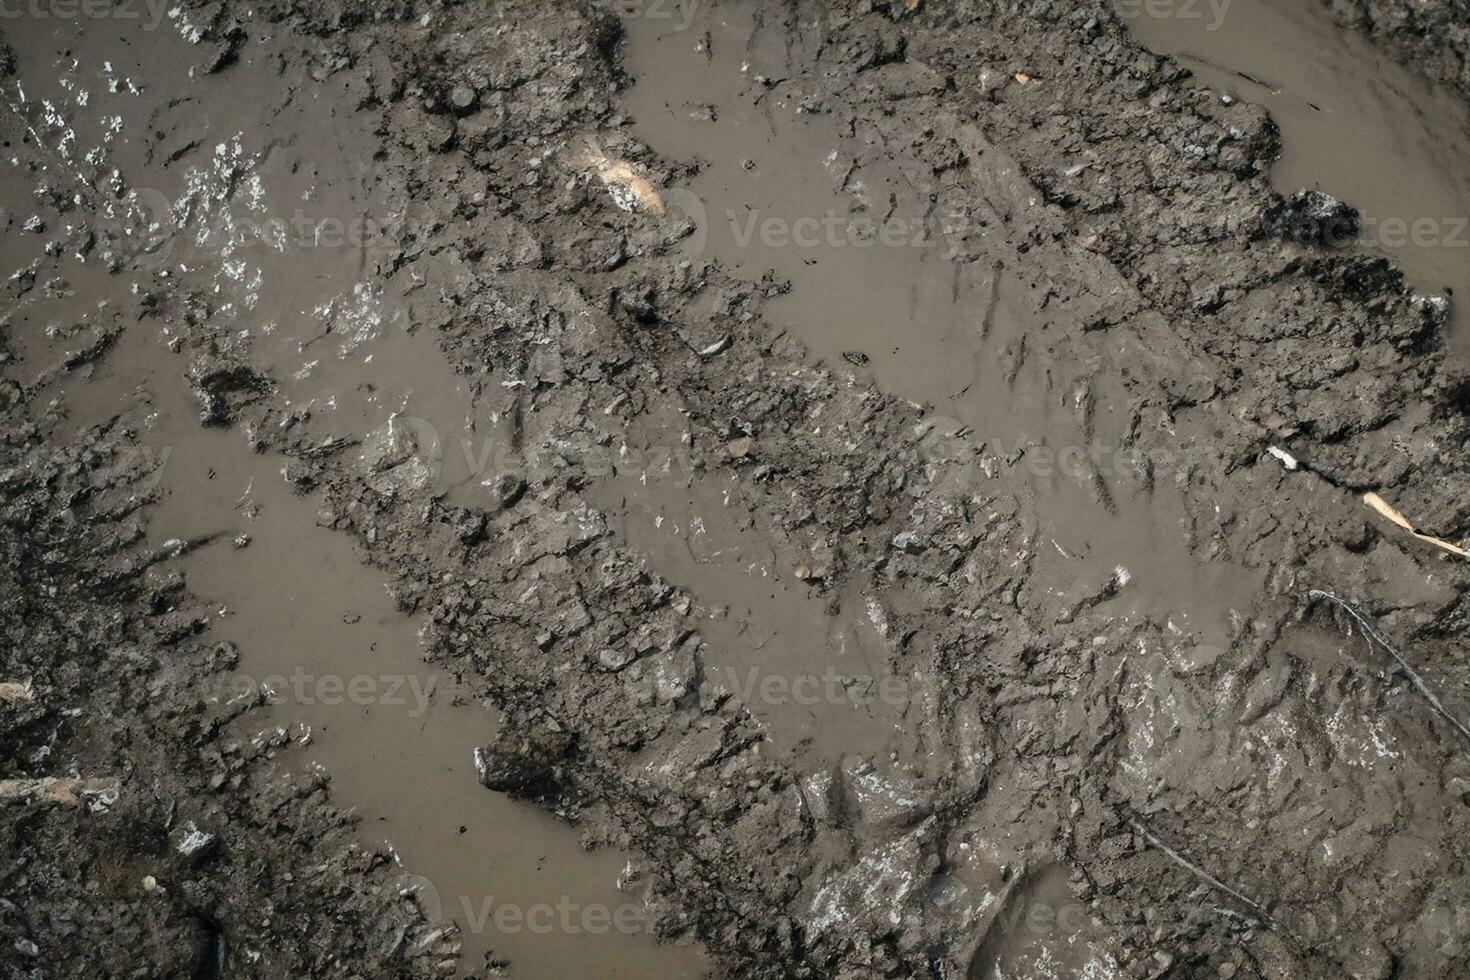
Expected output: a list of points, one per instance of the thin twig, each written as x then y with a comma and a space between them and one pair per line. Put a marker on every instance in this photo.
1375, 635
1257, 908
1203, 875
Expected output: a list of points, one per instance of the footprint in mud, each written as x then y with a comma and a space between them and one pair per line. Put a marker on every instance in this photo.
1040, 931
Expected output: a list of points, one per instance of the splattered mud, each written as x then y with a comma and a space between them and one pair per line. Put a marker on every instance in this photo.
744, 489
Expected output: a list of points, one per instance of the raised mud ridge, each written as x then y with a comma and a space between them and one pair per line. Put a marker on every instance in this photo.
1432, 37
1121, 735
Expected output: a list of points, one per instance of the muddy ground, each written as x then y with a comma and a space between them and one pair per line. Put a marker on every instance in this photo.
744, 489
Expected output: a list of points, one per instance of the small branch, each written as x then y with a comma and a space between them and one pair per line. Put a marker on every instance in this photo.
1375, 635
1256, 908
1194, 869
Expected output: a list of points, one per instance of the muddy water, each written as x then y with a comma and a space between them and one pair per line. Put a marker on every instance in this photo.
819, 679
779, 191
784, 193
319, 634
317, 631
1354, 124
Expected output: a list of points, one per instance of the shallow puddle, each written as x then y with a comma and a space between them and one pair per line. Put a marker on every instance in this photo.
782, 190
1354, 124
317, 629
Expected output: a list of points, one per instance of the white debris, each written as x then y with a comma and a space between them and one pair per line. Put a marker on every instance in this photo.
1287, 459
195, 840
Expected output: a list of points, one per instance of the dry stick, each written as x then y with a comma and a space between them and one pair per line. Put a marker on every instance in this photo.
1374, 635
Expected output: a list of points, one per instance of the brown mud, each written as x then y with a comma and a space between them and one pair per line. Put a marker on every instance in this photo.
1354, 125
868, 491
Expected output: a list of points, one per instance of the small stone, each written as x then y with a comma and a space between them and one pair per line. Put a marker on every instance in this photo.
614, 659
193, 843
909, 542
150, 883
740, 447
463, 98
506, 489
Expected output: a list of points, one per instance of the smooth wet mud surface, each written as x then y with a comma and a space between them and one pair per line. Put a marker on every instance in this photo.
761, 490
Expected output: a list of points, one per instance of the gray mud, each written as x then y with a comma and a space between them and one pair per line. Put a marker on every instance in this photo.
1354, 125
743, 489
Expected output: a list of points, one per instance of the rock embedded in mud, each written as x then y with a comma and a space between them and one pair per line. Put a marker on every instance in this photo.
909, 542
223, 390
614, 659
506, 489
525, 768
516, 775
194, 844
1314, 218
463, 98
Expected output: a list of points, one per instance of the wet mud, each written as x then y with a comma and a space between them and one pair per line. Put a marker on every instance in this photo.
743, 489
1354, 125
